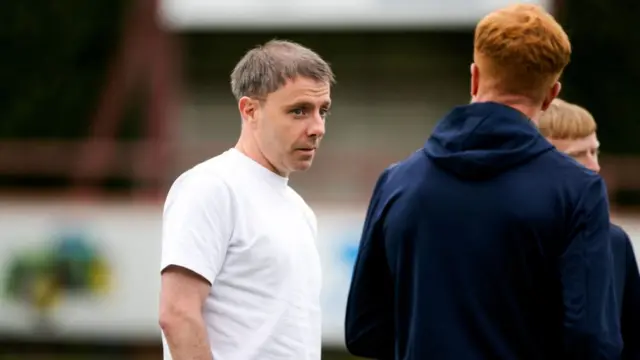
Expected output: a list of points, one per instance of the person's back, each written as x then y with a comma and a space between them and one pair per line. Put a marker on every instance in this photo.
489, 225
488, 243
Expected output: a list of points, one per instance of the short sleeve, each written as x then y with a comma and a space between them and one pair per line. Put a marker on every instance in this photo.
196, 224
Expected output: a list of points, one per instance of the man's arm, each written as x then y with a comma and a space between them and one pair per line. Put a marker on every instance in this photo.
591, 323
369, 329
630, 319
196, 229
182, 295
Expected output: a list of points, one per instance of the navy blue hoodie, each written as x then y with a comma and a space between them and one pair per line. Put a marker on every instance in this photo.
627, 287
486, 244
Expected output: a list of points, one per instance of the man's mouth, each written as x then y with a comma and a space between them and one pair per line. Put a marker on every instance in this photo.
307, 149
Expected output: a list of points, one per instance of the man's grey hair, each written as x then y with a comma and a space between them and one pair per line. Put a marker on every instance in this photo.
266, 68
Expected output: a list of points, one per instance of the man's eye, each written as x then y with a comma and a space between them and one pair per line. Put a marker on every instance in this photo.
325, 113
297, 112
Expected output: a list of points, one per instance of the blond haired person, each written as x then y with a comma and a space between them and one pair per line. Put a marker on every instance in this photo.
572, 130
488, 243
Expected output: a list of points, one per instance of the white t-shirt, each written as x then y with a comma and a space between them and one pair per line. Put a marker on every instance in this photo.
241, 227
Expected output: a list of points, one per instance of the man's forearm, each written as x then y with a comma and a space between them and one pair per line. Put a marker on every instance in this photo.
187, 339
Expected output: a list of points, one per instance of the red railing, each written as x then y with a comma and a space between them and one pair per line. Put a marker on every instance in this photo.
337, 174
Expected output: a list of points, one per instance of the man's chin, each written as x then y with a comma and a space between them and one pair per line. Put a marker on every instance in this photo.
303, 165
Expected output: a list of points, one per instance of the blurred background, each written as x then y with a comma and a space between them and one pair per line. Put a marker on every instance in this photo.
104, 102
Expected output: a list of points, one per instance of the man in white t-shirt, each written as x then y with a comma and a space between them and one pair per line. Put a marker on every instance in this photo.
241, 275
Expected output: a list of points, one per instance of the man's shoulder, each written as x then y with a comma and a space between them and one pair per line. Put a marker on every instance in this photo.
302, 204
621, 245
399, 175
298, 198
220, 166
562, 175
397, 170
618, 235
210, 177
565, 166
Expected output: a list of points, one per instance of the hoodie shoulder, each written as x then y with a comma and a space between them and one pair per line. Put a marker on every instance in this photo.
618, 234
398, 177
569, 171
403, 170
620, 242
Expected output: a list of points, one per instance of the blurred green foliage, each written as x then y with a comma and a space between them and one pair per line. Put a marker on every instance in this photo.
603, 75
53, 64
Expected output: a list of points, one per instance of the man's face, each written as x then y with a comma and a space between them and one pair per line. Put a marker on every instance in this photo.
291, 123
584, 150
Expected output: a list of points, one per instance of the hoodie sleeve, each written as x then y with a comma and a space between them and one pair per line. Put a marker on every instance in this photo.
369, 330
630, 319
591, 323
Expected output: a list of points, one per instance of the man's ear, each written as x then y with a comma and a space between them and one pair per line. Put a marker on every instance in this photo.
475, 80
553, 93
248, 107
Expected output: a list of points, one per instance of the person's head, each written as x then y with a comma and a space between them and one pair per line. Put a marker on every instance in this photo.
520, 51
572, 130
283, 92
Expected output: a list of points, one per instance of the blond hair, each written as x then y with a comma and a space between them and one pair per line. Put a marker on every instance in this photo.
265, 68
566, 121
521, 50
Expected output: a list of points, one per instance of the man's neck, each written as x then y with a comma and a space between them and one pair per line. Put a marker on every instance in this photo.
251, 150
517, 102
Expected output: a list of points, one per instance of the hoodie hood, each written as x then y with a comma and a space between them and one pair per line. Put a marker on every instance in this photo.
482, 140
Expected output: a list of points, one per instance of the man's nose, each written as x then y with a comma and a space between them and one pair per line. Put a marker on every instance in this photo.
593, 163
317, 127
